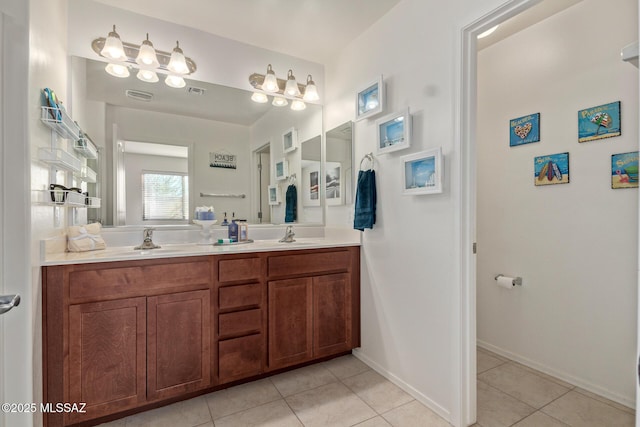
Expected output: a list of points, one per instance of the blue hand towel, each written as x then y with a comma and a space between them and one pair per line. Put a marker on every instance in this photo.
365, 213
291, 204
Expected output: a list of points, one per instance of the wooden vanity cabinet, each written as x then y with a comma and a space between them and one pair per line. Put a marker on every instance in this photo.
132, 335
138, 332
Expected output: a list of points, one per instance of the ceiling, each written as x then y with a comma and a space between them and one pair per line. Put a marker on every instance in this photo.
309, 29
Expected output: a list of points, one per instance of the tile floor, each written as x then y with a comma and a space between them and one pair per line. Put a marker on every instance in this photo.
346, 392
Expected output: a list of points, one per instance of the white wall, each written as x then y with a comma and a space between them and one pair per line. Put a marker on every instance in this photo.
575, 245
134, 166
206, 136
411, 260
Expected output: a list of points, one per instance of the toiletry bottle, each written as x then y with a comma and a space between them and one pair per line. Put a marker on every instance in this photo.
243, 231
233, 231
225, 222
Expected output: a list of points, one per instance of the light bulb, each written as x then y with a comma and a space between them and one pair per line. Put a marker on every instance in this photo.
297, 105
279, 101
147, 54
113, 48
291, 88
311, 92
177, 63
260, 98
270, 83
175, 81
372, 102
117, 70
147, 76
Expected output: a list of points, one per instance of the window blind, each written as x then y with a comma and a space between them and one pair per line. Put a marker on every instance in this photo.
165, 196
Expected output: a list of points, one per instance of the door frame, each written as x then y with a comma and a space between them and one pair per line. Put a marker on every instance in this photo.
19, 326
467, 124
465, 371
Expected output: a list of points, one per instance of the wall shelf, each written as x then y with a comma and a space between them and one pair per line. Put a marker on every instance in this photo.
64, 198
59, 158
85, 147
60, 122
87, 174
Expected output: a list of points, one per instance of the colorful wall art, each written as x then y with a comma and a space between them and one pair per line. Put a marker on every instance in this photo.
624, 170
551, 169
599, 122
524, 130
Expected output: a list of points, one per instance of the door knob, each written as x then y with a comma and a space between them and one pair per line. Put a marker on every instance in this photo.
7, 302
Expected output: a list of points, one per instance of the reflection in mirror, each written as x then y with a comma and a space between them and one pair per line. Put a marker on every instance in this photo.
339, 165
222, 126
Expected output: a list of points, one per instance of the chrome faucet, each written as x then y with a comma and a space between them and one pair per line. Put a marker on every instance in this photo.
288, 235
147, 243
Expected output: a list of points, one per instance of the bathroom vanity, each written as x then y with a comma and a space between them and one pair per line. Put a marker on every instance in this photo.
129, 333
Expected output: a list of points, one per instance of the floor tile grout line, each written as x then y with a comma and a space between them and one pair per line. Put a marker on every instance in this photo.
504, 392
241, 410
372, 408
542, 374
551, 416
295, 414
606, 403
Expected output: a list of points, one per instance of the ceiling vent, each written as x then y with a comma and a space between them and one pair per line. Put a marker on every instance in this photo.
195, 90
139, 95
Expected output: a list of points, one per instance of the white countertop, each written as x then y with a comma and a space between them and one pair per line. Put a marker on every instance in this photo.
127, 253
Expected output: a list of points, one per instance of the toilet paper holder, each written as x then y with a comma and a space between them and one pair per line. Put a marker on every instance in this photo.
516, 280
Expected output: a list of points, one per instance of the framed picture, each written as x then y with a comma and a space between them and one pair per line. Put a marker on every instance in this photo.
524, 130
333, 181
289, 140
394, 132
370, 100
311, 183
274, 195
624, 170
282, 169
599, 122
551, 169
422, 172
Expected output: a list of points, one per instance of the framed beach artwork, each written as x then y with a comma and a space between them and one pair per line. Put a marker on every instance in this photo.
422, 172
599, 122
311, 183
624, 170
274, 195
524, 130
370, 100
551, 169
282, 169
394, 132
333, 181
289, 140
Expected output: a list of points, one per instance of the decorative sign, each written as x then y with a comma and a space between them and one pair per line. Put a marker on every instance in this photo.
599, 122
551, 169
524, 130
624, 170
222, 159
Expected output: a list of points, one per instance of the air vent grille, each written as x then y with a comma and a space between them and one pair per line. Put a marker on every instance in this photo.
139, 95
195, 90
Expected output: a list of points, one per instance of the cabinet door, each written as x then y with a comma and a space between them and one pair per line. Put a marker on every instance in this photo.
290, 322
331, 314
178, 343
107, 356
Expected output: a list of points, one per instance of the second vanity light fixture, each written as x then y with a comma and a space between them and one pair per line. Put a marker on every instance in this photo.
122, 56
283, 91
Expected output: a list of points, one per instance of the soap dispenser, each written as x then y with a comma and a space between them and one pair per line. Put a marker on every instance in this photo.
233, 230
225, 222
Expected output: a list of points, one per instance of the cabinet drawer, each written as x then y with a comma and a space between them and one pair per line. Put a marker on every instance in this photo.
240, 323
107, 282
240, 357
239, 296
230, 270
319, 262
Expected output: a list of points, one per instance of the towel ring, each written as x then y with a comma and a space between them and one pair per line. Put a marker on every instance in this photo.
368, 156
292, 178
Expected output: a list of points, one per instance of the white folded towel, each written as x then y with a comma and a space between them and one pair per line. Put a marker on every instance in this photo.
82, 238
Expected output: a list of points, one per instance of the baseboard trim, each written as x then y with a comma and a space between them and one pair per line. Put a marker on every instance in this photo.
571, 379
420, 397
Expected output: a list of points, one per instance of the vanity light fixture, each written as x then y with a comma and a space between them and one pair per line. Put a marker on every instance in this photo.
279, 101
147, 55
113, 48
283, 90
117, 70
145, 58
291, 87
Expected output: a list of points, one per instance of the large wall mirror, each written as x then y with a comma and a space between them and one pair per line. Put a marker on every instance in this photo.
210, 143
